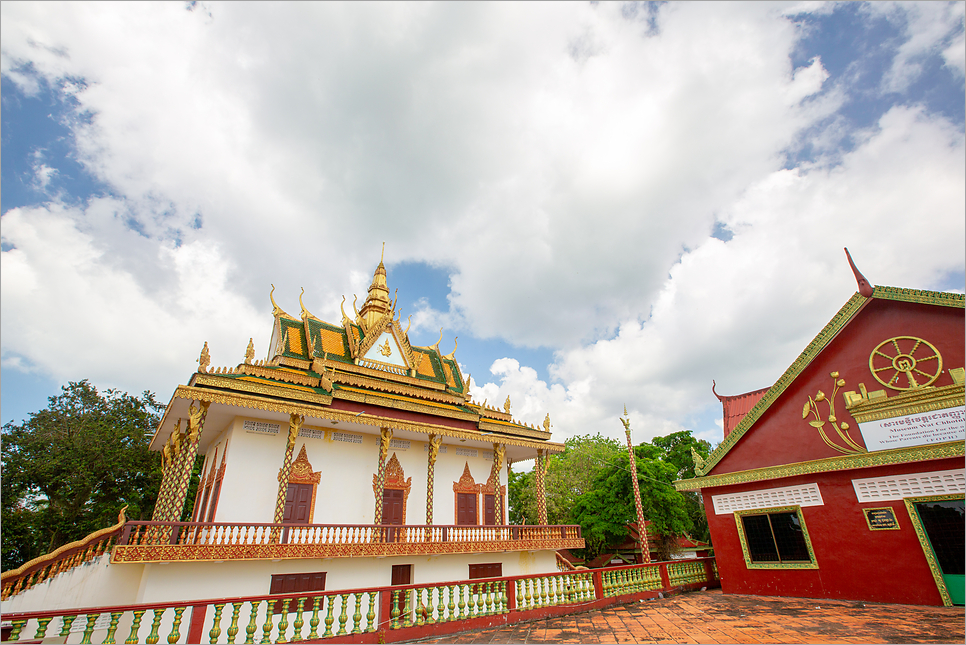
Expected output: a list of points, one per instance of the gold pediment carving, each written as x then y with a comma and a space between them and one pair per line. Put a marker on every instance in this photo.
466, 483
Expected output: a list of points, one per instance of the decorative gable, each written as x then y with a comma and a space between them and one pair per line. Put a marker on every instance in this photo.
865, 384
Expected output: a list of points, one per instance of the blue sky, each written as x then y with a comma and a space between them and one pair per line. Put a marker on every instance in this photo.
608, 204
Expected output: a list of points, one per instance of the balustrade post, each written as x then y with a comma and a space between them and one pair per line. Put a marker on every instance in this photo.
708, 571
385, 612
665, 578
511, 596
598, 578
196, 625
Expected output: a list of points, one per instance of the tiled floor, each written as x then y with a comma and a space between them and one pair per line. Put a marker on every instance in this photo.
713, 617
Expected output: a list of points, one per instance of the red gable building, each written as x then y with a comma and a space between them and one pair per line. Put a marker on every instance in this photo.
845, 478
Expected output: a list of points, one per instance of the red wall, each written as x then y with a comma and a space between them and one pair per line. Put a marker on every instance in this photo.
855, 563
780, 436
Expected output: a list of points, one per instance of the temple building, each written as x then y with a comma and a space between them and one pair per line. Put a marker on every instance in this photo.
845, 478
347, 458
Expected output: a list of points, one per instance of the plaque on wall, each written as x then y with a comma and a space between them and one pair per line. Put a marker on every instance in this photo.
881, 519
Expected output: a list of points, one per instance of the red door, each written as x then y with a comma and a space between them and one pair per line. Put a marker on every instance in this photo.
402, 574
465, 509
489, 513
392, 511
298, 500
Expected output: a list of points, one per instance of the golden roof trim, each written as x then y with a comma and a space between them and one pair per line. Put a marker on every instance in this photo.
280, 390
397, 388
325, 413
889, 457
368, 371
391, 401
495, 426
279, 374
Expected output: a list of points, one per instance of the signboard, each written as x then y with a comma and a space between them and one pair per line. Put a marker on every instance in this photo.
881, 519
915, 429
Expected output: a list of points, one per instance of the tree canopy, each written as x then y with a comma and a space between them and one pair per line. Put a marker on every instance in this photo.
69, 469
590, 484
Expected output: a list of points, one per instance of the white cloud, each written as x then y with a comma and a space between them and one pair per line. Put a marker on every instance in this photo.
928, 28
568, 162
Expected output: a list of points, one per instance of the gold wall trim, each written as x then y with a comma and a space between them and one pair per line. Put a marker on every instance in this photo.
844, 462
842, 318
280, 391
201, 552
937, 574
812, 564
317, 412
916, 401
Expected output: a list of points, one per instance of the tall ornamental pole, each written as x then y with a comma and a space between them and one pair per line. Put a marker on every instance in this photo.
645, 553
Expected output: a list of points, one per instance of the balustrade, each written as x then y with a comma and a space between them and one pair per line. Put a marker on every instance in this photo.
379, 612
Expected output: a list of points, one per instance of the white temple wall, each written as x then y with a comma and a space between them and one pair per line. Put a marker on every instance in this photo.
92, 584
344, 494
201, 580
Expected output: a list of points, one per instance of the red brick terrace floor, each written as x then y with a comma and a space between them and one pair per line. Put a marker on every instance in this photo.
713, 617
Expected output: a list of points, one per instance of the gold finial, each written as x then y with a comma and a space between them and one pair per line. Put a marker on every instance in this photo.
383, 254
204, 360
625, 409
506, 404
452, 354
276, 310
305, 312
342, 308
408, 326
250, 352
546, 423
436, 346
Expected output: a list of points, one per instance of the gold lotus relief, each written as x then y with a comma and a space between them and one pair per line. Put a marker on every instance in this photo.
843, 442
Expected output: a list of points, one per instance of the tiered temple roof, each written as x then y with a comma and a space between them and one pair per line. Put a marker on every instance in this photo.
366, 361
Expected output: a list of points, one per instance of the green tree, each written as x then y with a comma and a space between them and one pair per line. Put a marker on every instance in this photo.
677, 451
69, 469
570, 474
605, 511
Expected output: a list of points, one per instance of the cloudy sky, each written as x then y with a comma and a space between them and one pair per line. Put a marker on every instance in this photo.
609, 204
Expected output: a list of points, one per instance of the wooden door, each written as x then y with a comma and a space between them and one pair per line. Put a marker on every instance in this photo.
392, 511
466, 509
298, 499
489, 514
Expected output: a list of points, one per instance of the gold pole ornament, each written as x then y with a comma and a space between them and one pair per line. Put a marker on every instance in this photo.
506, 404
645, 552
250, 352
204, 360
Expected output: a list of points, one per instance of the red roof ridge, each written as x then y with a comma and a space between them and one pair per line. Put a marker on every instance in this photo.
736, 406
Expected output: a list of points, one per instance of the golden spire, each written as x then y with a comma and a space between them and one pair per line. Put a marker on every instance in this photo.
377, 303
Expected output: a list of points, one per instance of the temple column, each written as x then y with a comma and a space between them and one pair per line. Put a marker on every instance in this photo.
385, 435
294, 425
188, 452
169, 459
499, 454
645, 551
434, 443
540, 471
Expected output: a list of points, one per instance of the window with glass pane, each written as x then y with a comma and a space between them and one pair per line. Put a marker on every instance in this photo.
775, 537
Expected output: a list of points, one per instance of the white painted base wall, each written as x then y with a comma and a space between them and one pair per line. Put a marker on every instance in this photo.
100, 583
93, 584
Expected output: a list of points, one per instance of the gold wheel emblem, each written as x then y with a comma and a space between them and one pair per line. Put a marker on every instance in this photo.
896, 362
